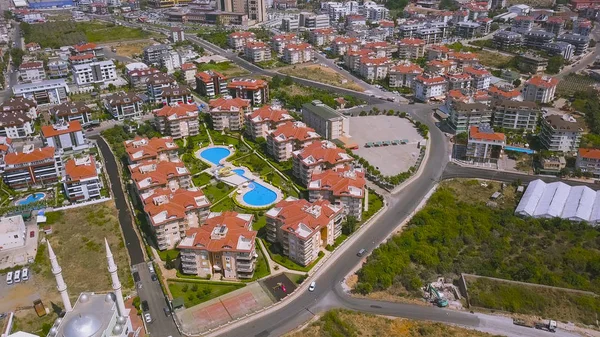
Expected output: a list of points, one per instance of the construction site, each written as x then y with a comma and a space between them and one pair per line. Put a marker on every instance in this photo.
443, 294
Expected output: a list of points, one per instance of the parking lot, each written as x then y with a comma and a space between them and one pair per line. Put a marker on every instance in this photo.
17, 294
390, 159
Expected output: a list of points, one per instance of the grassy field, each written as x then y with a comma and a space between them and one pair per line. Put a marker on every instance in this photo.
131, 49
472, 191
353, 324
217, 191
226, 68
561, 305
202, 179
321, 74
62, 33
572, 83
491, 59
194, 293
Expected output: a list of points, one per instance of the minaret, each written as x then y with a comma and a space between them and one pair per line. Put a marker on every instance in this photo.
60, 282
116, 285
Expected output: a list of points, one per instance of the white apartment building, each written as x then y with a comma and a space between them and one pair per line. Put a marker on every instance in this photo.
150, 175
81, 180
237, 40
228, 113
560, 133
224, 244
304, 228
17, 116
64, 136
540, 89
32, 71
124, 106
95, 72
31, 167
403, 74
374, 68
411, 48
317, 157
278, 42
321, 37
330, 124
44, 92
177, 120
343, 186
588, 160
289, 137
481, 78
515, 115
257, 52
464, 115
484, 145
428, 86
297, 53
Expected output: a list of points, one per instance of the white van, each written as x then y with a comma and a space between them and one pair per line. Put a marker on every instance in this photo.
9, 277
17, 278
25, 274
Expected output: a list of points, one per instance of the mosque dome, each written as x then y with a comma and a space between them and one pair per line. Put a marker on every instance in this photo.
82, 325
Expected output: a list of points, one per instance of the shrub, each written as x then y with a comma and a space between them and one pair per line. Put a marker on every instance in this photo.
220, 185
195, 288
184, 288
321, 254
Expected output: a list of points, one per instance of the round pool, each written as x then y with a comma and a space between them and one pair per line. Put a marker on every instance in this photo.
215, 154
30, 199
259, 196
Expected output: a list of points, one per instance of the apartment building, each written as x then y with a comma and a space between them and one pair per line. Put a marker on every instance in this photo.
580, 42
44, 92
278, 42
352, 58
210, 83
58, 69
403, 74
156, 148
124, 105
411, 48
463, 59
150, 175
588, 160
31, 167
540, 89
303, 228
516, 115
458, 80
177, 120
289, 137
177, 35
256, 91
81, 180
154, 54
177, 94
327, 122
343, 186
260, 122
440, 66
582, 27
484, 145
464, 115
72, 111
532, 64
342, 44
224, 244
95, 72
156, 84
228, 113
32, 71
537, 38
313, 21
522, 24
65, 136
428, 86
481, 77
17, 116
257, 52
81, 59
88, 48
467, 30
561, 48
505, 92
138, 77
560, 133
295, 53
189, 73
554, 25
506, 40
374, 68
321, 37
437, 52
237, 40
171, 212
317, 157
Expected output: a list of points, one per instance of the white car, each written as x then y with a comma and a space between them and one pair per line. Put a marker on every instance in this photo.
25, 274
147, 317
9, 277
17, 277
312, 286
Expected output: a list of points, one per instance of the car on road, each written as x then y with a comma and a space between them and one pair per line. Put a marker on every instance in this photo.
283, 288
167, 311
31, 234
25, 274
361, 252
136, 277
147, 317
312, 286
9, 277
154, 277
151, 267
145, 306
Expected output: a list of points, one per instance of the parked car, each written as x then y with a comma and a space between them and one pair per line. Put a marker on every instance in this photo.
145, 306
167, 311
17, 277
151, 267
25, 274
154, 277
147, 317
9, 278
31, 234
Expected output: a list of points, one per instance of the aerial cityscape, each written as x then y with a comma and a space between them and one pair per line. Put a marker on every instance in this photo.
299, 168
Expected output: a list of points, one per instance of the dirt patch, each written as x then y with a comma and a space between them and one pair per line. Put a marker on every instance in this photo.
131, 48
318, 73
351, 281
490, 59
474, 190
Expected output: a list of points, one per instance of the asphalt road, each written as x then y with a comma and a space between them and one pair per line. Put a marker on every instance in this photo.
11, 72
589, 59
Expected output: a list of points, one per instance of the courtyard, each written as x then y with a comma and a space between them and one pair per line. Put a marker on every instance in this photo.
388, 159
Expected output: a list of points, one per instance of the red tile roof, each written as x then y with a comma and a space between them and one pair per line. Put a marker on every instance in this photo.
412, 42
178, 111
207, 76
284, 37
267, 113
555, 19
297, 46
524, 18
476, 72
248, 84
430, 80
323, 31
144, 148
31, 65
474, 133
228, 104
503, 93
60, 129
81, 57
374, 61
543, 81
407, 68
187, 66
76, 170
209, 237
322, 152
15, 158
345, 40
256, 45
294, 213
175, 204
237, 35
85, 47
293, 131
589, 153
152, 173
341, 181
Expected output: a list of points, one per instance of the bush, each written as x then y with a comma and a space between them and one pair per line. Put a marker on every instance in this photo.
220, 185
184, 288
321, 254
195, 288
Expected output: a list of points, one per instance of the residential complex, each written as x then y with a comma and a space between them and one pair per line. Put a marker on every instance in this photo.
317, 157
327, 122
160, 149
289, 137
228, 113
256, 91
588, 160
72, 111
177, 121
540, 89
210, 83
260, 122
65, 136
81, 180
124, 106
560, 133
483, 144
150, 175
31, 167
341, 185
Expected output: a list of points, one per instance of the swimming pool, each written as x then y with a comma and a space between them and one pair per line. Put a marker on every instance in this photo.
259, 195
30, 199
215, 154
518, 149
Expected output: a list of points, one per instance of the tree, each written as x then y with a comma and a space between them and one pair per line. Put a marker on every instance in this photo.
111, 87
349, 225
169, 264
179, 76
517, 82
494, 27
555, 64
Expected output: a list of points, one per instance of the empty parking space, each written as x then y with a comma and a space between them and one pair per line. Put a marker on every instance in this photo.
382, 132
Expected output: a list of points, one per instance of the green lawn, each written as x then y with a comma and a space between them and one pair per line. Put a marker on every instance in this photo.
193, 164
173, 253
202, 179
259, 222
221, 139
375, 204
255, 164
194, 293
217, 191
285, 261
228, 205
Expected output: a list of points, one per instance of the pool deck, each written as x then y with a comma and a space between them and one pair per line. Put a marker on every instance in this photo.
236, 180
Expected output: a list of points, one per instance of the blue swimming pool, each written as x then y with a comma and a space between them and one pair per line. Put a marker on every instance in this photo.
215, 154
30, 199
259, 195
518, 149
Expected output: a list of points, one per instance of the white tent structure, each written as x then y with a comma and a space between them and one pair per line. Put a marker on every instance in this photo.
578, 203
